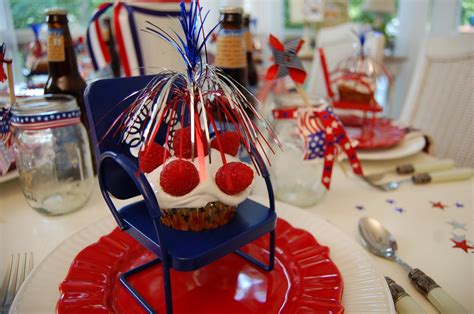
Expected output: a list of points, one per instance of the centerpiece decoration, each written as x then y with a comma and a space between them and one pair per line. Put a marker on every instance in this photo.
205, 117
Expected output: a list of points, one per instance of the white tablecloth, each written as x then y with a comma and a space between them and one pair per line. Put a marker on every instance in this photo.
422, 231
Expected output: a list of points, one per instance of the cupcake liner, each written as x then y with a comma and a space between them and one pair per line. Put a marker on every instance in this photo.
211, 216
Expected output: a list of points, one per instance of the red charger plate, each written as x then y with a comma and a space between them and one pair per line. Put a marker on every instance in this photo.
305, 279
372, 133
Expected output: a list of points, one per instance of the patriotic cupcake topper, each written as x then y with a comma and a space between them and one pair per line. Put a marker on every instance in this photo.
200, 101
320, 129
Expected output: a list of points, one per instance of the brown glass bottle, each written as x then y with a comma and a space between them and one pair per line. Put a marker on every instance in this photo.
230, 54
64, 77
251, 69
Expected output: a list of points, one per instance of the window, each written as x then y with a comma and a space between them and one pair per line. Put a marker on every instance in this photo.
26, 12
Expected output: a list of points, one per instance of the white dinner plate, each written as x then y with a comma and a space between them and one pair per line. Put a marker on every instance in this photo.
365, 291
9, 176
412, 143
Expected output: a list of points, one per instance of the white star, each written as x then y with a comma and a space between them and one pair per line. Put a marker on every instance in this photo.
328, 130
326, 179
330, 157
334, 124
457, 225
347, 146
354, 165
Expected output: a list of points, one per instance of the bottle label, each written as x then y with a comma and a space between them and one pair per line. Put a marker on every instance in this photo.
248, 40
231, 49
56, 51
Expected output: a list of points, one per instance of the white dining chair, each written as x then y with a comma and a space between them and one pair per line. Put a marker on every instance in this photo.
440, 101
339, 43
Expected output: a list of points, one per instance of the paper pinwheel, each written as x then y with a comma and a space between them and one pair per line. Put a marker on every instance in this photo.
3, 75
286, 60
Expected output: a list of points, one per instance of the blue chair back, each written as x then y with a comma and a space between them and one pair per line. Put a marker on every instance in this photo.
105, 100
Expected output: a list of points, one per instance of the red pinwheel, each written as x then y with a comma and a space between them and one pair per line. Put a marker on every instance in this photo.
3, 75
286, 60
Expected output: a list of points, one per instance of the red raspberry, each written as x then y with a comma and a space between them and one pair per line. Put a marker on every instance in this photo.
230, 142
179, 177
182, 143
234, 177
153, 158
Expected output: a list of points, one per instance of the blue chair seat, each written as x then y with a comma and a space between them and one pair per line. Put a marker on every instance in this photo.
190, 250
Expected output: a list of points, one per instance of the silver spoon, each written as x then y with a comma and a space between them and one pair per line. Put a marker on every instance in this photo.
379, 241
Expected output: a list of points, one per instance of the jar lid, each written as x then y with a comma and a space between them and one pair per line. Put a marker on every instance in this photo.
44, 105
48, 111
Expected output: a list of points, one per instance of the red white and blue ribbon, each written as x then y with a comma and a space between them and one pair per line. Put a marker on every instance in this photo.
323, 134
96, 45
46, 121
126, 35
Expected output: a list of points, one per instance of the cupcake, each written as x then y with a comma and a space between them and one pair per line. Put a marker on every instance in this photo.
190, 201
354, 91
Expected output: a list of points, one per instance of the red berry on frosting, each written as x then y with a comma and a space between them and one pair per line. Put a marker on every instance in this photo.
179, 177
182, 143
230, 143
153, 158
234, 177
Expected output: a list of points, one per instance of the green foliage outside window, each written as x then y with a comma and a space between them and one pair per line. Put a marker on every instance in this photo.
26, 12
467, 10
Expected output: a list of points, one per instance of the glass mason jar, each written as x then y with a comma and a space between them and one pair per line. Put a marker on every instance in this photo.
52, 153
295, 180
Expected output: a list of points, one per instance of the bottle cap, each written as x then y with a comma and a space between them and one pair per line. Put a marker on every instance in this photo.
231, 10
231, 4
55, 11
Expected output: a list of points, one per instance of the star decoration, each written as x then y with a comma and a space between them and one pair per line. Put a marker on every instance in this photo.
286, 60
360, 207
400, 210
462, 245
457, 225
438, 205
458, 238
390, 201
459, 205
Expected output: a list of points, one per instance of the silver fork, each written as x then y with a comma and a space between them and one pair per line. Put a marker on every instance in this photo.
11, 281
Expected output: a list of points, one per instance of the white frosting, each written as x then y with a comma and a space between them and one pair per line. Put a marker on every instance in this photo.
358, 87
207, 191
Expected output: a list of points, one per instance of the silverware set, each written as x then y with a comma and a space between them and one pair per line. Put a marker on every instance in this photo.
421, 173
381, 242
17, 270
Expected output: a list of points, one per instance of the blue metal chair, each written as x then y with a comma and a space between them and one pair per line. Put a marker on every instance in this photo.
119, 176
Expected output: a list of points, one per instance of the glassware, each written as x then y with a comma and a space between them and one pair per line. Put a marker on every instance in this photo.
295, 180
52, 153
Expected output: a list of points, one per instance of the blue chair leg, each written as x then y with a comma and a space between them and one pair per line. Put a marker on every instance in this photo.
271, 261
138, 297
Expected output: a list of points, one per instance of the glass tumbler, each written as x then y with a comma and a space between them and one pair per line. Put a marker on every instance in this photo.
295, 180
52, 153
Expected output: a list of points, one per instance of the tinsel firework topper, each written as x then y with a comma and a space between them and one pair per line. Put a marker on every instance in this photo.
321, 130
191, 107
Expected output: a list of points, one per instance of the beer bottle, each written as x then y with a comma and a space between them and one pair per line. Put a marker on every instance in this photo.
64, 77
251, 70
230, 54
